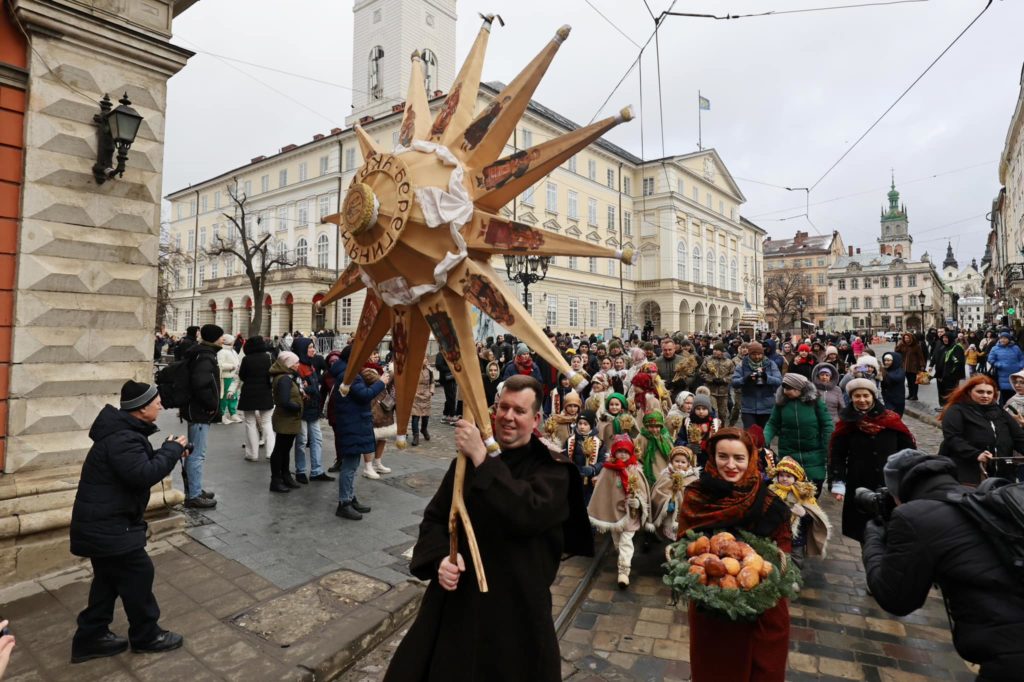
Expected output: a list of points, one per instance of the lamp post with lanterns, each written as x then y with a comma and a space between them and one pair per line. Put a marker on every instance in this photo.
524, 270
921, 299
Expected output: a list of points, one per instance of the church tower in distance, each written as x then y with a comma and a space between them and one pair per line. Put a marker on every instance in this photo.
895, 239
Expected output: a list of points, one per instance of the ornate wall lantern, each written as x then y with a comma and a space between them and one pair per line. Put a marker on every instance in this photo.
116, 129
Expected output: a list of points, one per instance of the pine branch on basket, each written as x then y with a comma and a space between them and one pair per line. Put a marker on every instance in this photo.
737, 579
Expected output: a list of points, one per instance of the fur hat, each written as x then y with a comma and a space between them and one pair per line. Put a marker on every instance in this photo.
684, 451
211, 333
572, 398
867, 384
135, 395
869, 360
790, 466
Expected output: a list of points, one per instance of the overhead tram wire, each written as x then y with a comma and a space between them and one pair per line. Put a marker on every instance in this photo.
903, 94
772, 13
612, 24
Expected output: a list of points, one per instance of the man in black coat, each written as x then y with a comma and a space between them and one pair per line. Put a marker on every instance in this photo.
189, 340
526, 507
202, 408
107, 525
929, 540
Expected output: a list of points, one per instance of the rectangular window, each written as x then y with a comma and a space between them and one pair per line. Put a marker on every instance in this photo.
571, 164
611, 178
216, 199
707, 199
899, 302
303, 171
192, 207
611, 218
552, 317
611, 268
911, 280
346, 312
527, 139
648, 186
191, 274
282, 218
854, 283
213, 269
592, 169
177, 242
679, 185
627, 317
897, 281
592, 264
573, 263
191, 241
867, 283
627, 185
350, 159
821, 261
574, 312
821, 279
574, 211
247, 188
303, 209
593, 314
885, 301
696, 195
627, 271
323, 165
627, 224
202, 275
229, 267
721, 209
592, 212
867, 303
528, 196
613, 317
203, 203
552, 197
529, 302
324, 206
884, 283
181, 211
854, 303
821, 299
842, 284
265, 183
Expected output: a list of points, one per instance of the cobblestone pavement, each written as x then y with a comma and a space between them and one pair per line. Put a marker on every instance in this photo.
838, 631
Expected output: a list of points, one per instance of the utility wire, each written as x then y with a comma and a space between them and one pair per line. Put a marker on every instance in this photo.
902, 95
612, 23
771, 13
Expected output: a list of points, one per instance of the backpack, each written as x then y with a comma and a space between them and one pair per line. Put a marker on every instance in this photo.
997, 507
172, 382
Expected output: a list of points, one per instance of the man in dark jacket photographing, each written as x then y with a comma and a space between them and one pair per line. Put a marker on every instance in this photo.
107, 525
931, 540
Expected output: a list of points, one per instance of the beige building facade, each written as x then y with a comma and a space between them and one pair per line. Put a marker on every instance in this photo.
1004, 273
810, 257
698, 265
78, 286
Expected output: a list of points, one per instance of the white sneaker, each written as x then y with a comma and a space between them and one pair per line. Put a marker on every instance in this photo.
226, 420
236, 418
251, 459
263, 441
370, 472
623, 581
381, 469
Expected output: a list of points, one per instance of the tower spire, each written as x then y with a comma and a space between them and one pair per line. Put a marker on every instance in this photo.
950, 258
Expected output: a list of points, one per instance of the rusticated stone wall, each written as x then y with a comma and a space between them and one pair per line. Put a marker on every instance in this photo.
85, 262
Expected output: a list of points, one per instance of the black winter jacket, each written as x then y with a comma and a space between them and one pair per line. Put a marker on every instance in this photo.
254, 374
968, 429
929, 541
113, 489
204, 384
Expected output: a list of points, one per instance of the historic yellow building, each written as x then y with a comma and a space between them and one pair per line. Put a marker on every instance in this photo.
698, 264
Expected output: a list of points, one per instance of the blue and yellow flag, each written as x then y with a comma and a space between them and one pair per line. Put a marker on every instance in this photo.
704, 103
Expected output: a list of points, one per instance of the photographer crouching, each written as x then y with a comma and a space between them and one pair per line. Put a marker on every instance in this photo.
107, 525
929, 539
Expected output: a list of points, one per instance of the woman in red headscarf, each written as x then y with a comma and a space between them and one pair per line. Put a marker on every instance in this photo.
731, 495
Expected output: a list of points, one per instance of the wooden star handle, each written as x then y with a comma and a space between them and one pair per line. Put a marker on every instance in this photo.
459, 512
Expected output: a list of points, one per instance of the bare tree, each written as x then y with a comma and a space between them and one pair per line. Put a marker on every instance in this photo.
169, 260
782, 291
244, 242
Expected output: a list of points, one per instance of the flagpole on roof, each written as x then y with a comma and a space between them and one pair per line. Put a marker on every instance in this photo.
700, 146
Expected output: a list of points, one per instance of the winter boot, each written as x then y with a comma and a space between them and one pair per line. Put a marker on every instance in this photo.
346, 511
278, 486
423, 427
289, 480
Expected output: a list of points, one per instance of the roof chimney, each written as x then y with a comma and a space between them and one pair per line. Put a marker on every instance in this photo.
858, 251
335, 131
318, 137
288, 148
850, 251
256, 159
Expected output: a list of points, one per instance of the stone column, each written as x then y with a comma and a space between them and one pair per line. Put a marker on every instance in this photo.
86, 264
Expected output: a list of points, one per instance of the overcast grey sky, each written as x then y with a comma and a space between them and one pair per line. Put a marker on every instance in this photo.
788, 95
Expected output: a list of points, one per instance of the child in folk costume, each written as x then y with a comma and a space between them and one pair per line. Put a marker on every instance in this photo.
680, 411
621, 502
643, 395
667, 493
598, 392
561, 422
656, 388
653, 445
614, 419
584, 448
811, 527
421, 404
698, 428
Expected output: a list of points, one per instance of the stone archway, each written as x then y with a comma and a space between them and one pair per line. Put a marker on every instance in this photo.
735, 318
265, 324
699, 319
208, 315
713, 319
319, 313
246, 314
650, 311
228, 323
725, 319
684, 317
287, 312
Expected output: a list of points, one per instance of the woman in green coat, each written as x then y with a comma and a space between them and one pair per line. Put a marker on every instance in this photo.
803, 425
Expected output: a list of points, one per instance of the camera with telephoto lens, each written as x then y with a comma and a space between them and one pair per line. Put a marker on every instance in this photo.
877, 503
757, 377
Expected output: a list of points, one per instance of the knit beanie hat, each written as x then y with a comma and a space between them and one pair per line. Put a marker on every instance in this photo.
855, 384
897, 465
701, 400
790, 466
589, 417
522, 349
869, 360
615, 396
803, 348
685, 452
831, 350
622, 442
211, 333
755, 347
793, 380
135, 395
290, 359
192, 331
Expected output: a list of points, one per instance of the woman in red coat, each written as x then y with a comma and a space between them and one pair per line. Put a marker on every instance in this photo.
731, 495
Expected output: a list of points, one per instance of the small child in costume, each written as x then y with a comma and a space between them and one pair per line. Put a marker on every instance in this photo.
811, 527
598, 392
698, 428
560, 424
653, 445
614, 419
643, 395
667, 493
680, 410
621, 502
584, 448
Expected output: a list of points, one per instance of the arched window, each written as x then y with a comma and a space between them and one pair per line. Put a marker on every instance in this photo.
734, 276
721, 272
696, 265
429, 70
301, 252
375, 82
282, 254
710, 258
681, 261
321, 251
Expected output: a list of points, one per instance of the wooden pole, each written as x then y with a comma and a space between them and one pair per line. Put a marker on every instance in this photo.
459, 512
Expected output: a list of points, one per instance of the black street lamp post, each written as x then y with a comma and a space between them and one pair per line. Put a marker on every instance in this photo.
801, 304
921, 298
524, 270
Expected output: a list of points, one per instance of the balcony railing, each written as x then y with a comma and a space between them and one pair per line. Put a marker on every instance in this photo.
293, 273
1013, 272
